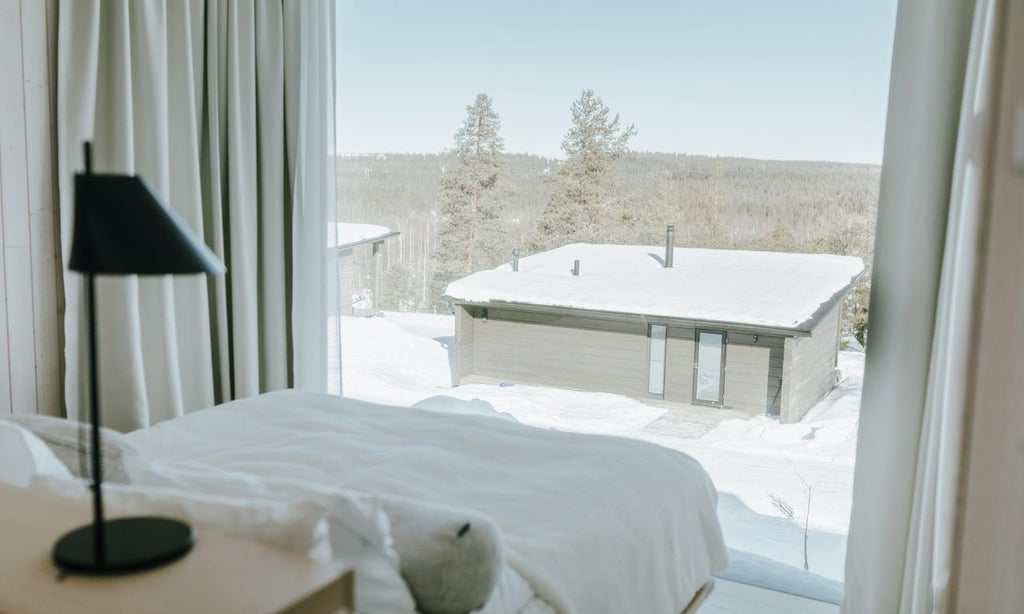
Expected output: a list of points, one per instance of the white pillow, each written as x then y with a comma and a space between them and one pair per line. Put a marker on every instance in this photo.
71, 442
298, 526
23, 455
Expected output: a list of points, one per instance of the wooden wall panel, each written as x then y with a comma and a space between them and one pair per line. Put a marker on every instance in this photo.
578, 358
31, 346
5, 363
749, 385
13, 181
809, 367
43, 215
463, 367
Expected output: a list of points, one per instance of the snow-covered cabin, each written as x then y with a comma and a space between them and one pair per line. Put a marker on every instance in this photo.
755, 331
359, 270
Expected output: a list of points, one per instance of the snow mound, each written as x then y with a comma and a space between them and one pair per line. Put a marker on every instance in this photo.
755, 570
451, 405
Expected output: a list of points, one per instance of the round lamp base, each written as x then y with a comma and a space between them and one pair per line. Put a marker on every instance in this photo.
132, 544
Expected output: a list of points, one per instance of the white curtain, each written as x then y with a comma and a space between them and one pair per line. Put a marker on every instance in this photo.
937, 144
226, 107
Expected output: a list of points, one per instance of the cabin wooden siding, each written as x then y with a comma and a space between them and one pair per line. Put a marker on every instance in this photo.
462, 365
754, 373
500, 344
347, 280
753, 369
573, 352
809, 370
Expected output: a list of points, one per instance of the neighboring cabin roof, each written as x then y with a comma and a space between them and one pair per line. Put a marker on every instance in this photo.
762, 289
352, 235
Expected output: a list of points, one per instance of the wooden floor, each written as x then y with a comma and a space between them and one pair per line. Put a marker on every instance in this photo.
734, 598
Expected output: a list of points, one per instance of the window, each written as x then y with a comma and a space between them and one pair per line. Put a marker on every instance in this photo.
756, 131
657, 333
709, 367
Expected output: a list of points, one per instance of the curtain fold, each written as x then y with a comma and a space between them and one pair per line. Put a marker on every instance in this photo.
191, 95
309, 93
929, 560
937, 147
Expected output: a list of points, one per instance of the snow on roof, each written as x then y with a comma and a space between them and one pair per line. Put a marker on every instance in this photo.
769, 289
360, 233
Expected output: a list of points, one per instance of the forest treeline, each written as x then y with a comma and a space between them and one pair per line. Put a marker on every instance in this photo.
467, 209
813, 207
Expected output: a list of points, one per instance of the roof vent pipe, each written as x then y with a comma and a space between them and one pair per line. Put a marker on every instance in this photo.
576, 268
670, 245
515, 259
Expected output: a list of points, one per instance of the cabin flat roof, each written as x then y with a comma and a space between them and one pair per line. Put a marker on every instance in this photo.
764, 289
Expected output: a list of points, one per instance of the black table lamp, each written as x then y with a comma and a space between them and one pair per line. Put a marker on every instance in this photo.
121, 228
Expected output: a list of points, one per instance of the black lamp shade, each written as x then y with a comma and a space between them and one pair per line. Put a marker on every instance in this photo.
122, 228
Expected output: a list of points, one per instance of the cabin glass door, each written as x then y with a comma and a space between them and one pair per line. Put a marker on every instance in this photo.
709, 367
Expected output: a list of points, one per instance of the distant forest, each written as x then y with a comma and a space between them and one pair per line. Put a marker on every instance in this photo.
732, 203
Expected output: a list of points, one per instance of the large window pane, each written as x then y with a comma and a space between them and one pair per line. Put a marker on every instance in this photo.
490, 162
709, 367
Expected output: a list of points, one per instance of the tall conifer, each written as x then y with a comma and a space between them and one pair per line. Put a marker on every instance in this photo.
585, 202
470, 231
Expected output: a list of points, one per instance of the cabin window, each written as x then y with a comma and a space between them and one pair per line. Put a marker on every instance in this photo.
709, 367
658, 334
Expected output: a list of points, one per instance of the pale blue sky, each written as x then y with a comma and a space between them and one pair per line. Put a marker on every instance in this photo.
791, 80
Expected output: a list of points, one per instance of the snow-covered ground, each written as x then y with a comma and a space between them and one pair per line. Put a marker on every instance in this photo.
404, 359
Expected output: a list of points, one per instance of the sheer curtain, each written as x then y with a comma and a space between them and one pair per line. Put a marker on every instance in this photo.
226, 107
938, 139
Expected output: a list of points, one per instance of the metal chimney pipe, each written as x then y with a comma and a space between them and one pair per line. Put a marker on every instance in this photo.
670, 245
515, 259
576, 268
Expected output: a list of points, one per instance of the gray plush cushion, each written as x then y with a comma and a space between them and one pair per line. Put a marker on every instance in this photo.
450, 558
69, 445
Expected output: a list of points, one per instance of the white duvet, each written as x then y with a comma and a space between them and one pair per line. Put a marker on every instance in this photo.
593, 523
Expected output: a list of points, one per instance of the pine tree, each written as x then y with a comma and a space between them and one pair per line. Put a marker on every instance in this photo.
659, 210
470, 232
713, 233
398, 287
854, 238
585, 205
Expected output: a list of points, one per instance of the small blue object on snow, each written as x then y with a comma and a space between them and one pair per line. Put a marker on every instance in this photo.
505, 385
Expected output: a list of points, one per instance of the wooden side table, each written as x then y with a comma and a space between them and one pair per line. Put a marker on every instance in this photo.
221, 574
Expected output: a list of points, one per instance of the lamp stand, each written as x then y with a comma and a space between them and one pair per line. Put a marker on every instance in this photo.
124, 545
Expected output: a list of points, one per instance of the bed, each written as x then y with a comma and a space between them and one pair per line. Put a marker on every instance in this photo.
589, 523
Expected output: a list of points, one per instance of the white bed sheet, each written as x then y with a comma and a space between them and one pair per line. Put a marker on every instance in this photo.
592, 523
514, 595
